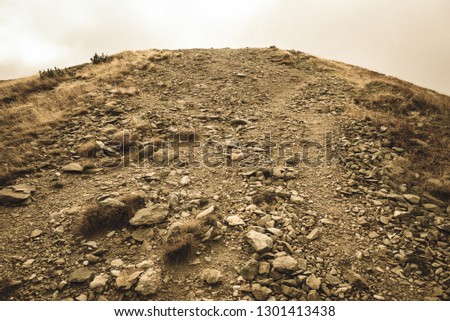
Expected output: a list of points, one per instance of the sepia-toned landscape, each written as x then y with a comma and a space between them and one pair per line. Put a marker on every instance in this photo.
222, 174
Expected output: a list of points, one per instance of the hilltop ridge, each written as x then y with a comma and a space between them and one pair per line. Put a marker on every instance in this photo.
224, 174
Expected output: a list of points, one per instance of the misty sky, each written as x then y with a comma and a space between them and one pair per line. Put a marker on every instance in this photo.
409, 39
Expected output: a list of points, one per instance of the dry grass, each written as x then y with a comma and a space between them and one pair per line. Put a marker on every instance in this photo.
6, 286
266, 197
97, 218
88, 149
179, 249
125, 139
418, 121
181, 242
31, 107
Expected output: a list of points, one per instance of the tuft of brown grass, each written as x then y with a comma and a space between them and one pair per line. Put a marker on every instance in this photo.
182, 241
88, 149
179, 248
97, 218
266, 197
6, 286
125, 139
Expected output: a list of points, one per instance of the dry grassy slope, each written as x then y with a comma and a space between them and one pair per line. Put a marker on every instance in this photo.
344, 217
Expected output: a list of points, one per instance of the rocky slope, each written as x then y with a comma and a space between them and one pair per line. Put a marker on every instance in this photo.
256, 185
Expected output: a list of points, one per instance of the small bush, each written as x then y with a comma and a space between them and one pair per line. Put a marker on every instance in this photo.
179, 248
98, 59
55, 73
265, 197
97, 218
88, 149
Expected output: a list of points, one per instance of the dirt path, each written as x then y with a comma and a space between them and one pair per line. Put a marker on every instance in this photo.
323, 221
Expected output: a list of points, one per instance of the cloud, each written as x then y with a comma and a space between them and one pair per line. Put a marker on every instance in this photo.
405, 38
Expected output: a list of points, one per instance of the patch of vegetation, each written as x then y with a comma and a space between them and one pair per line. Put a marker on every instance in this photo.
55, 73
6, 286
97, 218
88, 149
181, 242
179, 249
266, 197
99, 59
418, 121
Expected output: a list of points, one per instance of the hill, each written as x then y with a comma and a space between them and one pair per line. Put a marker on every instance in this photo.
223, 174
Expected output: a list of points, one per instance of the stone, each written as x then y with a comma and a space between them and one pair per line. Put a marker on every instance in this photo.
185, 180
73, 168
302, 264
331, 279
154, 214
236, 156
235, 220
261, 293
355, 279
413, 199
92, 258
80, 275
149, 282
373, 235
260, 242
173, 200
362, 221
24, 188
313, 296
116, 263
313, 282
275, 231
279, 171
295, 199
290, 291
205, 213
250, 270
35, 233
7, 195
264, 268
285, 264
127, 278
314, 234
402, 215
211, 276
146, 264
239, 122
142, 234
81, 297
28, 263
163, 156
112, 202
98, 283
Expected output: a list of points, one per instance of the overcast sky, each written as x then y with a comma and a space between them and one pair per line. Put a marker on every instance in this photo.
409, 39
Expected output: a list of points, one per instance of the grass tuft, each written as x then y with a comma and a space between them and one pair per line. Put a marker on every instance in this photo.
97, 218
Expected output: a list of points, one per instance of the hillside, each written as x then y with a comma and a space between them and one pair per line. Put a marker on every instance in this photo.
223, 174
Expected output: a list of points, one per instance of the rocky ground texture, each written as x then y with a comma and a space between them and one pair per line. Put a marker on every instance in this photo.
294, 199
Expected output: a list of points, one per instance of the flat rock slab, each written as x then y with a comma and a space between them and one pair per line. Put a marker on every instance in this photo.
24, 188
154, 214
80, 275
8, 195
73, 168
